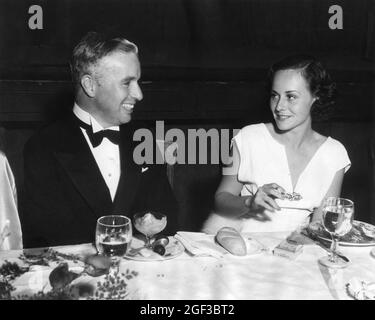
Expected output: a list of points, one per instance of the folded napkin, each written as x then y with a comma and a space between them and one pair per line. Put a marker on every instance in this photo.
200, 244
360, 289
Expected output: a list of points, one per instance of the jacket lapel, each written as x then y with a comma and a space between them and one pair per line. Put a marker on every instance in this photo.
130, 172
75, 156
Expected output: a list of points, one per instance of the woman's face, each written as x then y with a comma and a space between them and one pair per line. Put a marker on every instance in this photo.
290, 100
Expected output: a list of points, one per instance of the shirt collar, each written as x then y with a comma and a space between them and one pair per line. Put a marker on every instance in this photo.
90, 120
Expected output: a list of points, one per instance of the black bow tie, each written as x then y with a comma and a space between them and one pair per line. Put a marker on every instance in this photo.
97, 137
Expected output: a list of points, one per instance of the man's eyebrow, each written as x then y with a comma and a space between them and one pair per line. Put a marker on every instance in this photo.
128, 79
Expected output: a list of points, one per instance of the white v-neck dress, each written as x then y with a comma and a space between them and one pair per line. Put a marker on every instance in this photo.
263, 160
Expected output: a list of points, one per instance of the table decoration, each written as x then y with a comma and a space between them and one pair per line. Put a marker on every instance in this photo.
69, 276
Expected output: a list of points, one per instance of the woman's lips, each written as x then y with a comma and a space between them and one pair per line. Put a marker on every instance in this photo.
282, 117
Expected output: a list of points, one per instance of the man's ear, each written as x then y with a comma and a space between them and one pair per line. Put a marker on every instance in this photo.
88, 85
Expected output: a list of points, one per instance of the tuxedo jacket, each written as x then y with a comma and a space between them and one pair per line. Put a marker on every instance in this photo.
65, 192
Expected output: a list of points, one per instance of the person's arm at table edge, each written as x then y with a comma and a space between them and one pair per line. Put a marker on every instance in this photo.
228, 201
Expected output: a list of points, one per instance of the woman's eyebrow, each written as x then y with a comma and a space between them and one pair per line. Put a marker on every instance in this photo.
292, 91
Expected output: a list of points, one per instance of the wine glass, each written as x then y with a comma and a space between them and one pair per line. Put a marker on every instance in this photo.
113, 235
150, 224
337, 220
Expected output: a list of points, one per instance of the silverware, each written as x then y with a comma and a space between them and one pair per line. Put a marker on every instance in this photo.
290, 196
307, 209
320, 243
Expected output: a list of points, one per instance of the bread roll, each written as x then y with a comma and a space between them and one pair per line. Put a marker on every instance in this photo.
231, 240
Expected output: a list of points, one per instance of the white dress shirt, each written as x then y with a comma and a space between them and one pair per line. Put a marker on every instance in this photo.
107, 154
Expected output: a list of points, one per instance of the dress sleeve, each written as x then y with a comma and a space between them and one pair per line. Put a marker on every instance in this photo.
341, 157
232, 166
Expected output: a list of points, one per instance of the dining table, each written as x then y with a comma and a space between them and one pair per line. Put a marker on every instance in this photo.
262, 275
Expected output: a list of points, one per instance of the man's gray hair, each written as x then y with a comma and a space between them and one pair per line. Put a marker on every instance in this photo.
91, 48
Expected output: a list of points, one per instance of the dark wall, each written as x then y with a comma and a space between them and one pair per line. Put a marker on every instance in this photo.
202, 34
204, 64
201, 59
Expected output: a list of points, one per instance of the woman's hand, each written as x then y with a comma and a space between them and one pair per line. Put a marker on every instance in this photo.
265, 198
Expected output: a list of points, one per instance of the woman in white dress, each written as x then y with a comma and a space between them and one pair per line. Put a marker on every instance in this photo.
10, 227
282, 171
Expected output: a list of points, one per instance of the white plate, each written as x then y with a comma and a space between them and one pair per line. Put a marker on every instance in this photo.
361, 241
172, 250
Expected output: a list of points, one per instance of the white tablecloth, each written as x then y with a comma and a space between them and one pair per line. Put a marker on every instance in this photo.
260, 276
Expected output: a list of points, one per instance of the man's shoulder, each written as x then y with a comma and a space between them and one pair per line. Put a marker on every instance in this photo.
50, 133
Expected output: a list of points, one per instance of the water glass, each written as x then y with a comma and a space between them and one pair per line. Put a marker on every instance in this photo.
337, 220
113, 235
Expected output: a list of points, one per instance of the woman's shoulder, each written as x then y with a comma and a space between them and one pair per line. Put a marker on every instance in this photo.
254, 129
331, 146
334, 154
251, 136
335, 145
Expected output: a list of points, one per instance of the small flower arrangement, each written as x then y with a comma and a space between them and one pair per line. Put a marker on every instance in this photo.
114, 285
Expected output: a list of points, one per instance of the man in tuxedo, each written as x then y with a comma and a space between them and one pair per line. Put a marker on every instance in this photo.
81, 167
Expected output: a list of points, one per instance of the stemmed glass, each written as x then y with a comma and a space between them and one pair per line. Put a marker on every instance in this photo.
150, 224
337, 220
113, 235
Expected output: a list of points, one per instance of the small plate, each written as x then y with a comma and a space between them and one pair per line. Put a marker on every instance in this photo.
172, 250
362, 234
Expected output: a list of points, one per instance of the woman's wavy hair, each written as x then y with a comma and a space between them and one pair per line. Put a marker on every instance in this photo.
318, 79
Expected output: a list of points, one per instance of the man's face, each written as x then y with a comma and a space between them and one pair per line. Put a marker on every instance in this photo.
116, 88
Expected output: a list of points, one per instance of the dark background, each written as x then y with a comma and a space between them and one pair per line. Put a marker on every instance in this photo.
204, 65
